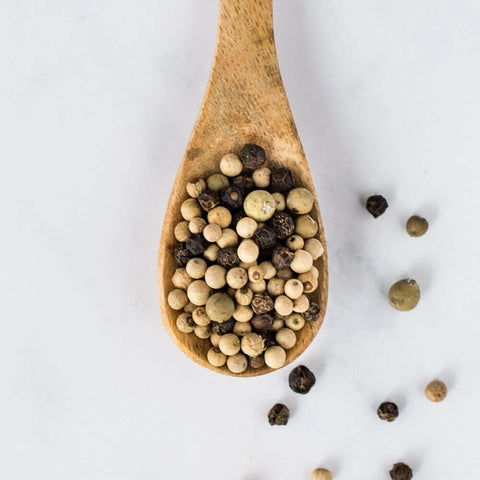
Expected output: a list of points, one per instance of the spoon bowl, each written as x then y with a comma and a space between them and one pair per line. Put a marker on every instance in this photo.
245, 102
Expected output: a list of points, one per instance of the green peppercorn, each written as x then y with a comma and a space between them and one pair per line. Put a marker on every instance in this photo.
259, 205
220, 307
416, 226
404, 295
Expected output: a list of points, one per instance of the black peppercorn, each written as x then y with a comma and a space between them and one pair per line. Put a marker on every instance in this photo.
256, 362
182, 255
208, 199
262, 303
252, 156
244, 181
278, 414
282, 257
313, 312
387, 411
262, 323
401, 471
376, 205
228, 258
265, 237
224, 327
232, 197
196, 244
269, 339
283, 225
301, 379
282, 180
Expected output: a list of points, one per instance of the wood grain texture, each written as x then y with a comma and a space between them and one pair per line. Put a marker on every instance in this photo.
245, 102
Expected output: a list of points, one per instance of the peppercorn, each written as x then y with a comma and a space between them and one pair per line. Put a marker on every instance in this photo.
255, 274
217, 181
182, 255
216, 358
232, 197
181, 279
279, 201
283, 224
196, 187
401, 471
286, 338
270, 338
244, 296
196, 244
198, 292
229, 238
282, 257
376, 205
212, 232
242, 328
252, 344
200, 316
261, 177
436, 391
228, 258
301, 379
295, 321
243, 313
259, 205
278, 414
262, 303
257, 287
275, 356
246, 227
208, 199
181, 232
269, 271
230, 165
220, 215
293, 288
306, 226
219, 307
224, 327
248, 251
416, 226
321, 474
244, 181
256, 362
301, 305
196, 268
262, 323
404, 295
387, 411
302, 261
295, 242
211, 252
237, 363
215, 277
300, 201
265, 237
282, 180
185, 323
203, 331
229, 344
190, 209
237, 277
314, 247
313, 312
252, 156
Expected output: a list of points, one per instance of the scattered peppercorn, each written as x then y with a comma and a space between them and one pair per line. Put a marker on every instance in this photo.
252, 156
283, 224
416, 226
231, 197
436, 391
321, 474
282, 180
404, 295
282, 257
376, 205
387, 411
265, 237
208, 199
401, 471
301, 379
278, 414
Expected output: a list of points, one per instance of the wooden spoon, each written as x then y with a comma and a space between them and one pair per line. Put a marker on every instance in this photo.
245, 102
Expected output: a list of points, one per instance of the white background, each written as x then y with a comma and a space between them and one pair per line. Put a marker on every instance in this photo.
98, 99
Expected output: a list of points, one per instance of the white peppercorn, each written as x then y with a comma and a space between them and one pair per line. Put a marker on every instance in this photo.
283, 305
255, 274
306, 226
295, 242
185, 323
181, 232
261, 177
295, 321
259, 205
203, 332
181, 279
275, 356
248, 251
276, 286
246, 265
300, 201
177, 299
242, 328
211, 253
269, 271
196, 187
200, 317
216, 358
229, 344
229, 238
278, 323
244, 296
215, 338
237, 277
230, 165
309, 280
246, 227
314, 247
252, 344
257, 287
189, 307
220, 215
190, 209
280, 203
242, 313
212, 232
301, 304
302, 262
197, 224
293, 288
196, 267
321, 474
217, 181
237, 363
285, 273
286, 338
198, 292
215, 277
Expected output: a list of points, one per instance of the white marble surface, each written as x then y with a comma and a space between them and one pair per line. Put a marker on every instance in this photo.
97, 103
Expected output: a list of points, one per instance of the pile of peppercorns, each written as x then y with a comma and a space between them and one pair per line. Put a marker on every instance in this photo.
247, 243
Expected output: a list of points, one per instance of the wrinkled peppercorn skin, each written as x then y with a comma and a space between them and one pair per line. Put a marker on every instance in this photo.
232, 197
265, 237
387, 411
313, 312
182, 255
283, 225
278, 414
262, 323
376, 205
282, 257
401, 471
256, 362
262, 303
282, 180
244, 181
252, 156
208, 199
228, 258
224, 327
196, 244
301, 379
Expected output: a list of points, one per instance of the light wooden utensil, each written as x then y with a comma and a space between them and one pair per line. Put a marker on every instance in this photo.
245, 102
